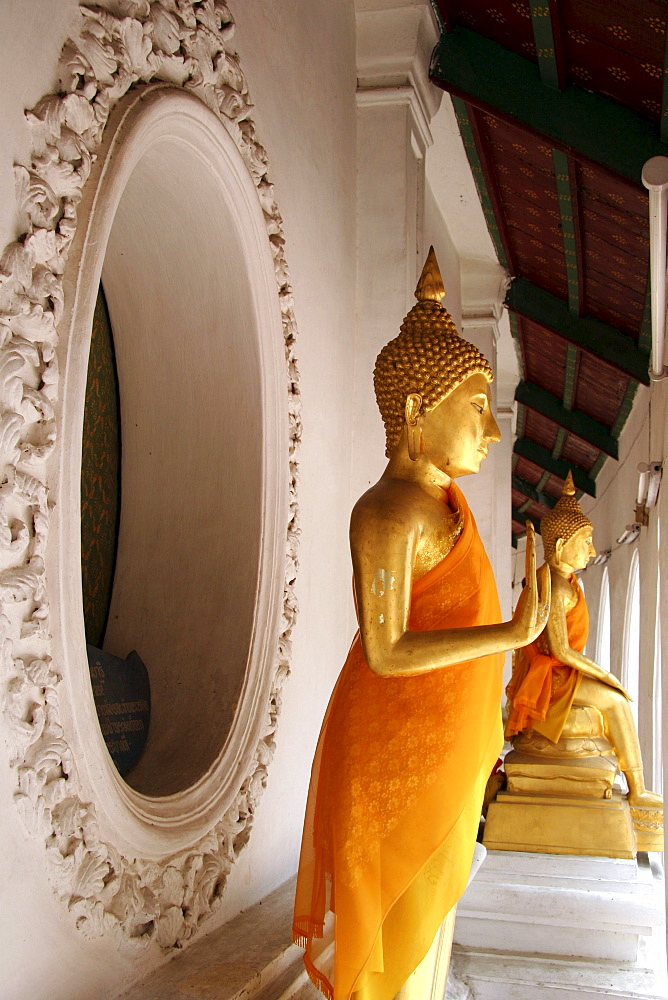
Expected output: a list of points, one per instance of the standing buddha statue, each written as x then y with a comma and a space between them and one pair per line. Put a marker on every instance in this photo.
413, 726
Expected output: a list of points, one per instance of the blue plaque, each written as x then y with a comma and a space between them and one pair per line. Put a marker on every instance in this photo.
123, 702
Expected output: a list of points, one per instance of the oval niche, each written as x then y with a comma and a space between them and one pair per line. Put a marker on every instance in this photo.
173, 229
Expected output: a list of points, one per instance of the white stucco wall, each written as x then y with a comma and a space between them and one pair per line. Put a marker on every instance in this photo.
300, 63
304, 92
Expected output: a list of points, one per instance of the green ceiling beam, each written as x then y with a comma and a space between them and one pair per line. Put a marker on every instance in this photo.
543, 36
532, 492
521, 517
491, 77
574, 421
590, 334
545, 460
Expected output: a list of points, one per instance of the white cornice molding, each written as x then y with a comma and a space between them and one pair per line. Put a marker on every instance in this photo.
398, 96
484, 284
395, 41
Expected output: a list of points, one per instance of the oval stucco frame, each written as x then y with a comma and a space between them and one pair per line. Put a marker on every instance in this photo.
151, 826
140, 869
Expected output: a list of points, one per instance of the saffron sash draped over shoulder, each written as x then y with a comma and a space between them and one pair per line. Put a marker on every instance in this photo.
396, 791
542, 689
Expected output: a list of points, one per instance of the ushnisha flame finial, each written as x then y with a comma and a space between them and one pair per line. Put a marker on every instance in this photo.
564, 519
427, 357
430, 286
568, 489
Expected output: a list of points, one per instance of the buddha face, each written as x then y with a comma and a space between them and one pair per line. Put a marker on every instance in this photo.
456, 434
578, 550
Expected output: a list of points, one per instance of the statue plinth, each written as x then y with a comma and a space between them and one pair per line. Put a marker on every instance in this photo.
559, 797
581, 764
584, 777
557, 824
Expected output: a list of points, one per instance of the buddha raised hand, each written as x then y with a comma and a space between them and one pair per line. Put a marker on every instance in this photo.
413, 726
553, 674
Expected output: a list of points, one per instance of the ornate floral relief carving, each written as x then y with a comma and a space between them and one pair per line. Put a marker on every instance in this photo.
118, 44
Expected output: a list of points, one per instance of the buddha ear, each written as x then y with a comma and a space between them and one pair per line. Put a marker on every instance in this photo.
413, 408
558, 548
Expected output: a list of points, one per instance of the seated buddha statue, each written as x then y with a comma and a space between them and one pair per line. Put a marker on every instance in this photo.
413, 725
561, 703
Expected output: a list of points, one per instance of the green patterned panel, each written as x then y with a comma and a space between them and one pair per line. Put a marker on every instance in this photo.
515, 331
521, 420
100, 477
559, 443
468, 139
438, 15
625, 408
569, 376
597, 466
544, 39
562, 177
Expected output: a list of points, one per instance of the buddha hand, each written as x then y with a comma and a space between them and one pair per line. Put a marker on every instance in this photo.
533, 606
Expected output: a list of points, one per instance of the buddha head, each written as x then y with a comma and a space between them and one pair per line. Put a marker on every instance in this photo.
426, 364
566, 532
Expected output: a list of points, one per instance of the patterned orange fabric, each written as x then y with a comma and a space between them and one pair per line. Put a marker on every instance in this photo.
541, 690
396, 791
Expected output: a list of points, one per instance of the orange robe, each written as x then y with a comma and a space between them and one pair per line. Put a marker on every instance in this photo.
396, 792
541, 690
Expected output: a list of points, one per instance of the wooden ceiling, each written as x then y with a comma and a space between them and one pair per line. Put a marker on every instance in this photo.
559, 104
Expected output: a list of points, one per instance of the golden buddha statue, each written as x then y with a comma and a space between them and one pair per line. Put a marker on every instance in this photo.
570, 721
413, 726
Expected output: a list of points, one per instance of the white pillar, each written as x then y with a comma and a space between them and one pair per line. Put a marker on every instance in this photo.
485, 324
395, 104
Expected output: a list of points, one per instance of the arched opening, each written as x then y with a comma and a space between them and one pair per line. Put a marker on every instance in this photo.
657, 706
631, 663
121, 687
100, 476
657, 684
603, 630
191, 414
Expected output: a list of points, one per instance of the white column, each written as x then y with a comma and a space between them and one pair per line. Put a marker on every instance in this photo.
395, 104
486, 325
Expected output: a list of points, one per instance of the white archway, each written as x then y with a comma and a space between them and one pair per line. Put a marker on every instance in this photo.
603, 628
631, 646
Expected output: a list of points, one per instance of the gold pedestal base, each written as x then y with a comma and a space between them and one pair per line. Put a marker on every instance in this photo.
575, 777
561, 825
648, 825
